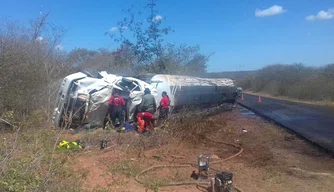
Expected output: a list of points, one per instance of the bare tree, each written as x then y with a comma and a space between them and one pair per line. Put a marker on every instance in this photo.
31, 60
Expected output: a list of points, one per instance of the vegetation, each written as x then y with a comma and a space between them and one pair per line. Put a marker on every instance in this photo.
294, 81
29, 64
124, 167
144, 41
29, 160
32, 60
32, 65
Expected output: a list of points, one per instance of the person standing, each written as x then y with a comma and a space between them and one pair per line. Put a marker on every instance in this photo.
116, 107
148, 103
146, 109
164, 107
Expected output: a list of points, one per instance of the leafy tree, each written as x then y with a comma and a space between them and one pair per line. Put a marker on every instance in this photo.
181, 60
147, 37
143, 47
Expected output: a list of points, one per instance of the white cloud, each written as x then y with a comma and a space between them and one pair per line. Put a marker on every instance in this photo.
39, 38
322, 15
59, 47
113, 29
157, 18
124, 27
273, 10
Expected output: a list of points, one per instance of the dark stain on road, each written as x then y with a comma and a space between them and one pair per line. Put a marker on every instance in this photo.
248, 113
313, 122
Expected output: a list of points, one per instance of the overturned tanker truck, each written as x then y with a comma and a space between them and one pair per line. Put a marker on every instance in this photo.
82, 99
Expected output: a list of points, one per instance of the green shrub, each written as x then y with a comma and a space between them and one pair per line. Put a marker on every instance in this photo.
15, 180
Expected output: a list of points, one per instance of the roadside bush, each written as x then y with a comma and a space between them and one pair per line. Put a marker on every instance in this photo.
36, 119
295, 81
30, 62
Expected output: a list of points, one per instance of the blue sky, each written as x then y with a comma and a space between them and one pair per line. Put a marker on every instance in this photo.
243, 34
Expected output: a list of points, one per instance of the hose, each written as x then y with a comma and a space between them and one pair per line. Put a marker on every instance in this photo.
198, 184
241, 150
170, 183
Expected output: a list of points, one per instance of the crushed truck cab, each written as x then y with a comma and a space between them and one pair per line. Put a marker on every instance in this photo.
82, 100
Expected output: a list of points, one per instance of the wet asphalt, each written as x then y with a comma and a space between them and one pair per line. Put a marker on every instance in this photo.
313, 122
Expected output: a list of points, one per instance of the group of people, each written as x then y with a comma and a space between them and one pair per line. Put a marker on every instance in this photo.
145, 111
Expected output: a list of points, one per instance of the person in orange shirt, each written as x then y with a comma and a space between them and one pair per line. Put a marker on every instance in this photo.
145, 121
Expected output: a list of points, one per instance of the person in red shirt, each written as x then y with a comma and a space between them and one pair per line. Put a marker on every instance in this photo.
145, 121
164, 107
116, 106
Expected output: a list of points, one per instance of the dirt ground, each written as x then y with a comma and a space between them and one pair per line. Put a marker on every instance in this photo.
272, 160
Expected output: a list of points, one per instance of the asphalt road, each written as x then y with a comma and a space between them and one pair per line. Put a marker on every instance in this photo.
314, 123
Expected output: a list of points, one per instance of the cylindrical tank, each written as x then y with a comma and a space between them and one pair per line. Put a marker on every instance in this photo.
185, 90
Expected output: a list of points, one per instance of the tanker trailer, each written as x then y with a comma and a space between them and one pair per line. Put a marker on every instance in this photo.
189, 91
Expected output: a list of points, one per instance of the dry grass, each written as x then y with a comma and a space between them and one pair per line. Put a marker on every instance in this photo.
269, 153
29, 161
264, 165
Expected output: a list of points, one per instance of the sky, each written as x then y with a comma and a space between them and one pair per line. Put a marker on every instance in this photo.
242, 34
